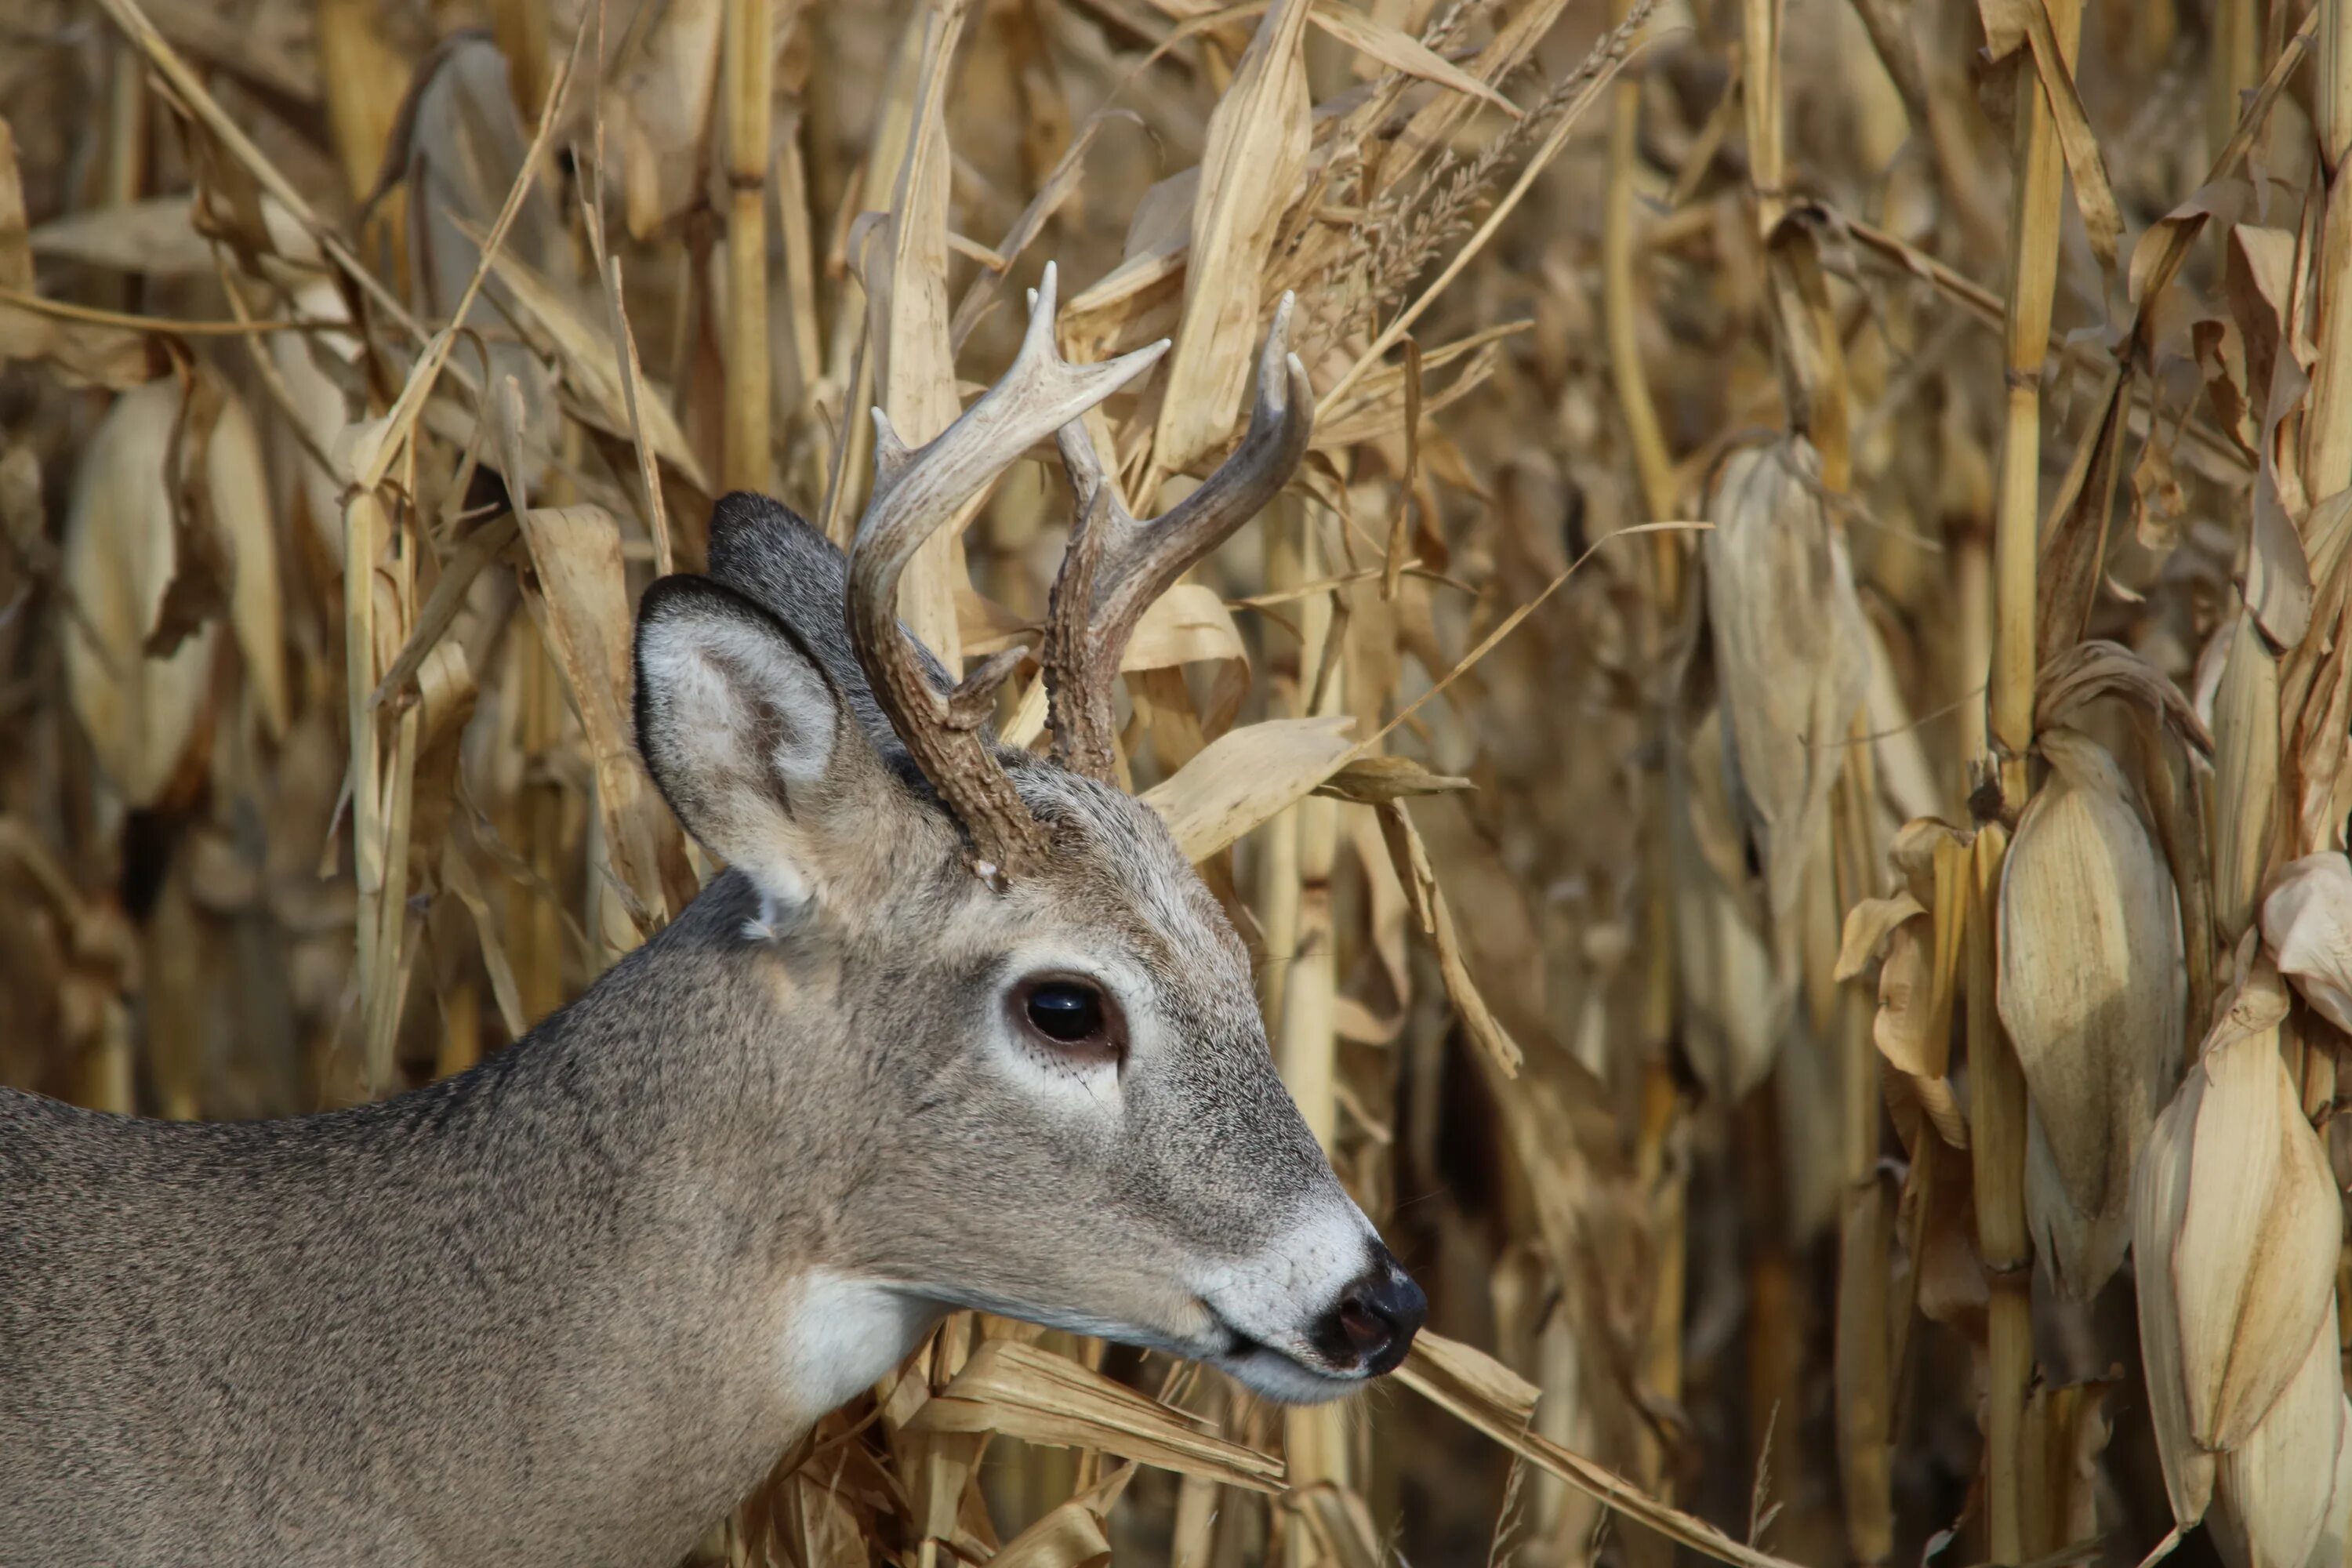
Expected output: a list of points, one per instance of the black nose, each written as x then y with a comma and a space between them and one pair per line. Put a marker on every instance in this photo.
1373, 1324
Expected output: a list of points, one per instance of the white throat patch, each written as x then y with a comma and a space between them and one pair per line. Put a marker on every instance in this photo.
840, 1335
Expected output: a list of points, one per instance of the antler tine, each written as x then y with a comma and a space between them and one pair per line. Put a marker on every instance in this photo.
1116, 565
917, 493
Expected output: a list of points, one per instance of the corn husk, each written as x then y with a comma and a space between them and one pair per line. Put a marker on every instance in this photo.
2245, 774
2279, 1497
2234, 1221
2307, 926
1739, 1000
140, 714
122, 555
2092, 993
1791, 652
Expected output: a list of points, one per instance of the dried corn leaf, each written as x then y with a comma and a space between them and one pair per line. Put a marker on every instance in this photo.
660, 115
1739, 998
15, 247
239, 487
158, 238
1410, 857
1250, 168
1040, 1397
82, 354
1246, 777
1510, 1429
588, 359
575, 554
468, 163
903, 267
1400, 51
2009, 21
1072, 1535
2245, 773
1378, 780
2066, 1429
1460, 1376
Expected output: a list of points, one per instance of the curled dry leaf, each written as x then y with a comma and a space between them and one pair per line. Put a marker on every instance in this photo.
2234, 1223
1791, 651
2087, 671
1915, 934
2308, 925
2094, 994
1073, 1535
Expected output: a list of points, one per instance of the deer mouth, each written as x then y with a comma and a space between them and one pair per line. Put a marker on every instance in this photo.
1269, 1370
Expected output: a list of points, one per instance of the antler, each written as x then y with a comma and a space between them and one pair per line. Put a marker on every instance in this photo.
917, 493
1116, 565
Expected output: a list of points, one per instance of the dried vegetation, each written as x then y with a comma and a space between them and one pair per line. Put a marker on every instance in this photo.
1840, 997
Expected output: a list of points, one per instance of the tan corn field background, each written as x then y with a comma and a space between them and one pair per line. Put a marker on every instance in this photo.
1783, 760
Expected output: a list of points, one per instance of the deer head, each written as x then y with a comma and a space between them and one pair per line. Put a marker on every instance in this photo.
1042, 1073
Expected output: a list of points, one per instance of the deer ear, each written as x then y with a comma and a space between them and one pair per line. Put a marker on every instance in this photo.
746, 735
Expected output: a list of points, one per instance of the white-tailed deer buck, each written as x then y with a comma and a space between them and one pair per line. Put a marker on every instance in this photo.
959, 1027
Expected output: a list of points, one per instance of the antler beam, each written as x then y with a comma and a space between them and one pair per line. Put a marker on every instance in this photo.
1116, 565
917, 493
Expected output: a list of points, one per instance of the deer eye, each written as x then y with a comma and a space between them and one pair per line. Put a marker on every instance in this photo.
1065, 1011
1071, 1014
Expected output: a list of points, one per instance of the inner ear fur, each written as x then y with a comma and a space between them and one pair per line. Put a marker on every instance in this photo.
749, 738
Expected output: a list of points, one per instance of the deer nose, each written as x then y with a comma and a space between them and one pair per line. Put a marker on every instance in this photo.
1376, 1318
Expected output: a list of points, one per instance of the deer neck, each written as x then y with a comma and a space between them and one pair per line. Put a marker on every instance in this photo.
676, 1311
